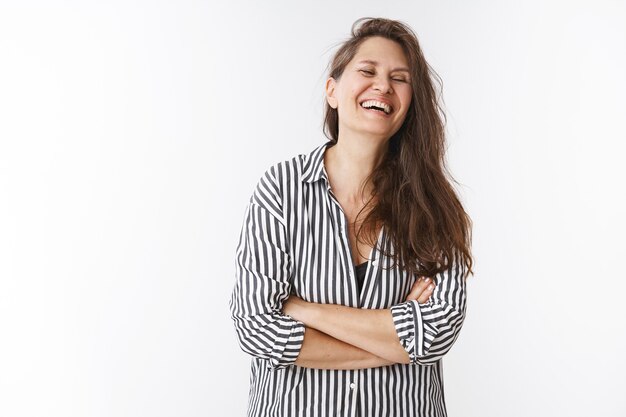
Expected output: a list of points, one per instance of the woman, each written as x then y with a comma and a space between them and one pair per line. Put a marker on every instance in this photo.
352, 259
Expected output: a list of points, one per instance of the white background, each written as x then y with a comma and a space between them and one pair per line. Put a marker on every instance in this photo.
132, 134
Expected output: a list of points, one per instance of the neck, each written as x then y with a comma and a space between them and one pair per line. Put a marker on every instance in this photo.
349, 162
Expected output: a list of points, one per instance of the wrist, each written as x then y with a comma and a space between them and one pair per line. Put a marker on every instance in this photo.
307, 312
298, 309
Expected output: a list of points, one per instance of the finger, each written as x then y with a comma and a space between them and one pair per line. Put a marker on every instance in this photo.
418, 288
426, 294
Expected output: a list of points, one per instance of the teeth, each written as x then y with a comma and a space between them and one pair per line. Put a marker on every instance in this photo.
370, 103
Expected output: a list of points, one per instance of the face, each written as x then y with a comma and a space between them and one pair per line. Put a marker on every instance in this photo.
377, 77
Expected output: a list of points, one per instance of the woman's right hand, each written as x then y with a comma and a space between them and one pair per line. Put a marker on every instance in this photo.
421, 290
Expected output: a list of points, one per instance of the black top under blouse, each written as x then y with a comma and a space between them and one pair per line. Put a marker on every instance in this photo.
360, 274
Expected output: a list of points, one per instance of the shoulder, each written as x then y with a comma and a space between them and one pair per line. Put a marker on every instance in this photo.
284, 172
277, 181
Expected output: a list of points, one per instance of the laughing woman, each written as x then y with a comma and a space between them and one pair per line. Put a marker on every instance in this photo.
353, 258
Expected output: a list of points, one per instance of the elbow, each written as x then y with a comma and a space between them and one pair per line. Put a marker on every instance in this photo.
435, 348
249, 343
426, 342
431, 356
275, 339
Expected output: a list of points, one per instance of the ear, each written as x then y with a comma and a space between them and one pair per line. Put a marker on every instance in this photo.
330, 92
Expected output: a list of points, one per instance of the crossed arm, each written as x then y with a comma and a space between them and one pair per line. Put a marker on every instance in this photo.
341, 337
281, 329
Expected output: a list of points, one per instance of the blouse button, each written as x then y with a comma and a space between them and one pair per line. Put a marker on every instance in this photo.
375, 262
352, 385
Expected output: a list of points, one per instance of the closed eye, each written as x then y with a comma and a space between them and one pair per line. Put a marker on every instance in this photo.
401, 80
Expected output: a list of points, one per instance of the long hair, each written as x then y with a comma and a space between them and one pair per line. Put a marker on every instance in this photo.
414, 199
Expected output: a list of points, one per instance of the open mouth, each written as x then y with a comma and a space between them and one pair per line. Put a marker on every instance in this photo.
377, 106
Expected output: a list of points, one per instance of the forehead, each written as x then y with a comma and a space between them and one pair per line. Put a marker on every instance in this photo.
381, 50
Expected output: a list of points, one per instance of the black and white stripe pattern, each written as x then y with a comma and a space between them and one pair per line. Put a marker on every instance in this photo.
294, 239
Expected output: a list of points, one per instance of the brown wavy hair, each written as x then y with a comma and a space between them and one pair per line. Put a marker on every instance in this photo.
413, 195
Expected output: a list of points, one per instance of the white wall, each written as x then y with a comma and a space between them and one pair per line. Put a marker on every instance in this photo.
132, 134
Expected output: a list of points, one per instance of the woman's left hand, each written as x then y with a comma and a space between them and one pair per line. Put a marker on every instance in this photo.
421, 290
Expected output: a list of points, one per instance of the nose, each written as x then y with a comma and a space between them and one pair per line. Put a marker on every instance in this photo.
382, 84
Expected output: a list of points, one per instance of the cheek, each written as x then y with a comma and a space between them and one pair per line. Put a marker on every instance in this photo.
354, 92
405, 109
407, 103
407, 96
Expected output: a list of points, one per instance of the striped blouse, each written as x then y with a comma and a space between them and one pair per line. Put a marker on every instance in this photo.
294, 240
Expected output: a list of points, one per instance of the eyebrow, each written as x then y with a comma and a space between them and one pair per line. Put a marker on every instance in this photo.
369, 61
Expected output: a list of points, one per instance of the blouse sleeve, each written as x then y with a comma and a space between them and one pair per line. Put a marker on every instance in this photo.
428, 331
263, 270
